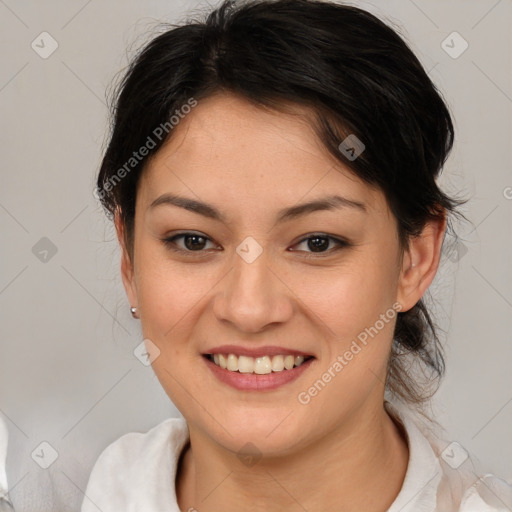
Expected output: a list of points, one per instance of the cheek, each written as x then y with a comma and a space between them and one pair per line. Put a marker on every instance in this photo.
348, 298
169, 294
355, 307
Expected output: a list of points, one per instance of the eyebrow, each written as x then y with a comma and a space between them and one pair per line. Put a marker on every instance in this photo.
328, 203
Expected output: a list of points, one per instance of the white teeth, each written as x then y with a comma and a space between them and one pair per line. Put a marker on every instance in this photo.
262, 365
232, 363
258, 365
289, 361
299, 360
245, 364
278, 363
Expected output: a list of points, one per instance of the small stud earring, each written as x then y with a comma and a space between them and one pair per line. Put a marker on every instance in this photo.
134, 312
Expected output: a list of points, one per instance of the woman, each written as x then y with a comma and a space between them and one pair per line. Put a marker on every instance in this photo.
272, 178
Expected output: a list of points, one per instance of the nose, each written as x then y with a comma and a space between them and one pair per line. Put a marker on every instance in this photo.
253, 296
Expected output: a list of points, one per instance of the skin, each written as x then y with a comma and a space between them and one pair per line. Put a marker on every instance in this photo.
341, 451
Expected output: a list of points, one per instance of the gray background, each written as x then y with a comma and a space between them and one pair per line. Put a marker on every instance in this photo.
68, 375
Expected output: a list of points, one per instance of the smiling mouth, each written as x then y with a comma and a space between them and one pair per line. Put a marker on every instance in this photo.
263, 365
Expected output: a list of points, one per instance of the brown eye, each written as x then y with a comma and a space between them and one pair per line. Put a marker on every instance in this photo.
318, 243
191, 242
321, 243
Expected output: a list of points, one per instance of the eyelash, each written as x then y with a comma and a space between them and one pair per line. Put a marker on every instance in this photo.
170, 244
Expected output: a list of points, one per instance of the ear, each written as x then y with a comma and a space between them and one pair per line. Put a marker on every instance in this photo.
127, 272
420, 263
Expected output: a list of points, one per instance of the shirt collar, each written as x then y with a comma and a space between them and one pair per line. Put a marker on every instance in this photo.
423, 475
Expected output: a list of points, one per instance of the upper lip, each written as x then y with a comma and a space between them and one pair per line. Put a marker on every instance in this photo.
255, 351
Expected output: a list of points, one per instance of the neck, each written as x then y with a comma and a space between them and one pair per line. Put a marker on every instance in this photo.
360, 466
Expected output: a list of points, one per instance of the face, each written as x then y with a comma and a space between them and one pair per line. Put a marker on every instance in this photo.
235, 265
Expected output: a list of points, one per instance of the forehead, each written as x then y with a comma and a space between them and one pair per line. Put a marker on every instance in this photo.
227, 148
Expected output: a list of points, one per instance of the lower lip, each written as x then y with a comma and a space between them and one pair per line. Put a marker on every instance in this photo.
255, 382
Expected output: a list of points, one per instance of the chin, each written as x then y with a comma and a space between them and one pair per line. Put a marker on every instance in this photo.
262, 431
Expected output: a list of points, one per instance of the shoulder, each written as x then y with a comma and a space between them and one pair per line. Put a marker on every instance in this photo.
452, 482
142, 445
488, 493
129, 470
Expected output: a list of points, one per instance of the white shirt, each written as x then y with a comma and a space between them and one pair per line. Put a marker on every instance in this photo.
137, 473
4, 437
